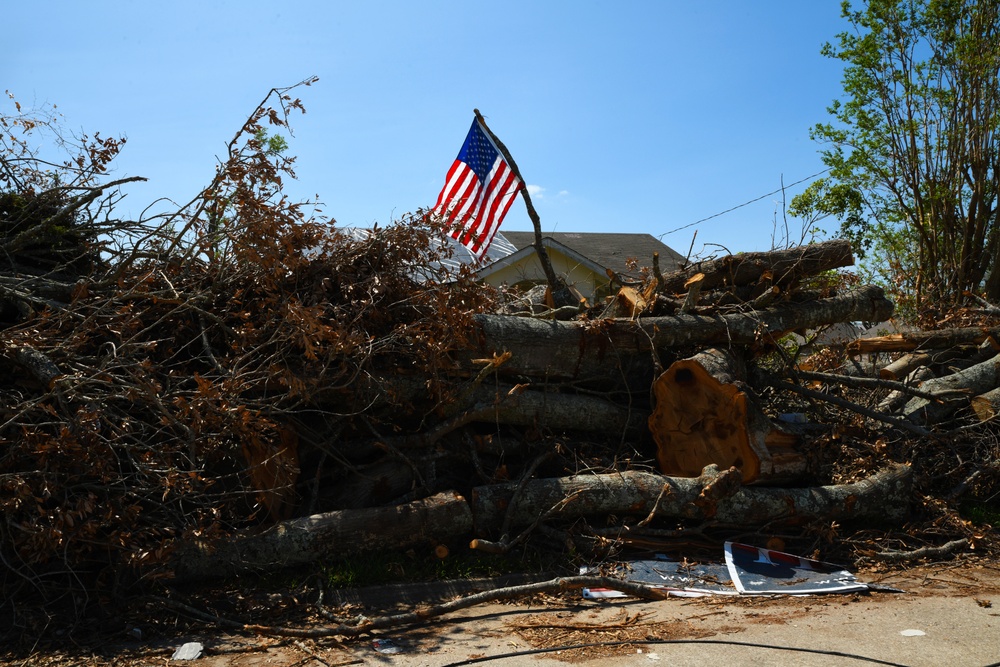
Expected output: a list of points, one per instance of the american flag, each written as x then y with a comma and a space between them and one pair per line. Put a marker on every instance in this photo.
479, 189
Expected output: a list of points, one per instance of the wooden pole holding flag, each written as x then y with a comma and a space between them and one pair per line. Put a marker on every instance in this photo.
543, 256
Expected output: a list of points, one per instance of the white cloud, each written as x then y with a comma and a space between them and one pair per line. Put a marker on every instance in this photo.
564, 193
536, 191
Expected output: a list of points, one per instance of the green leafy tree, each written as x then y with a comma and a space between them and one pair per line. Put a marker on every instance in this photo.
914, 147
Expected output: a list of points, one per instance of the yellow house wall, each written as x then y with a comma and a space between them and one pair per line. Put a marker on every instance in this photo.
574, 273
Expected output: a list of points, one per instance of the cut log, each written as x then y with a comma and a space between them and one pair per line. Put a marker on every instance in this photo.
371, 485
523, 405
606, 349
766, 298
962, 357
299, 541
925, 340
883, 497
693, 285
953, 391
701, 416
785, 266
987, 406
630, 302
902, 367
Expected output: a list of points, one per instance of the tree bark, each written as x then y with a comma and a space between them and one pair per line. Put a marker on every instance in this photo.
902, 367
38, 365
785, 266
702, 416
882, 497
558, 411
308, 539
606, 349
953, 391
924, 340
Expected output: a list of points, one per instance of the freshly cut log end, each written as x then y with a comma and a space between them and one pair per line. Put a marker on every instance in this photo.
987, 406
631, 302
702, 417
700, 420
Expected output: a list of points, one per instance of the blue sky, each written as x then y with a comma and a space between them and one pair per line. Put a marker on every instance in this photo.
622, 116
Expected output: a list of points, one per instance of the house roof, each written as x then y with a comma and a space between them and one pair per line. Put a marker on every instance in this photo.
528, 250
607, 249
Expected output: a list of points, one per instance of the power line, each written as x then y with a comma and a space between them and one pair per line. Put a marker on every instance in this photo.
730, 210
651, 641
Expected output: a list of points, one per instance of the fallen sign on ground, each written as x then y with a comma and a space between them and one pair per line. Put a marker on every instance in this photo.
748, 570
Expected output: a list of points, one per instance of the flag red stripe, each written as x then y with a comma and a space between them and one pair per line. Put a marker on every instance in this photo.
503, 189
464, 204
475, 209
452, 194
442, 198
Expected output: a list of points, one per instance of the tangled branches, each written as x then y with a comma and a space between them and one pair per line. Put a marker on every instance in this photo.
164, 390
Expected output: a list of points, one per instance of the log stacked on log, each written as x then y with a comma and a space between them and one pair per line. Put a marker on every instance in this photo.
339, 430
626, 377
703, 411
931, 376
620, 377
613, 350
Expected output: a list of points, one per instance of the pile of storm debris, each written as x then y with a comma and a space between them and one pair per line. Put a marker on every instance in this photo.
683, 400
233, 386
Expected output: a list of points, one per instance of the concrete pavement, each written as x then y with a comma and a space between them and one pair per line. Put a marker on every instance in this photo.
946, 616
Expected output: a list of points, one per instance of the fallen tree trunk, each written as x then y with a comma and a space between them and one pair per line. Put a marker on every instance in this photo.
702, 416
785, 266
606, 349
308, 539
523, 405
924, 340
952, 392
882, 497
557, 411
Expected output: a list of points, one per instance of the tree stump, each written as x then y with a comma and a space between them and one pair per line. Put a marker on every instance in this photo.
703, 417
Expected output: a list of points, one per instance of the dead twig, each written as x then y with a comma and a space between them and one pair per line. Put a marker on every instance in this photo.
870, 383
666, 490
627, 621
946, 549
854, 407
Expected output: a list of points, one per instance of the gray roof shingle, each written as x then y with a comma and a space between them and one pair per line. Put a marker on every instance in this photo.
609, 249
